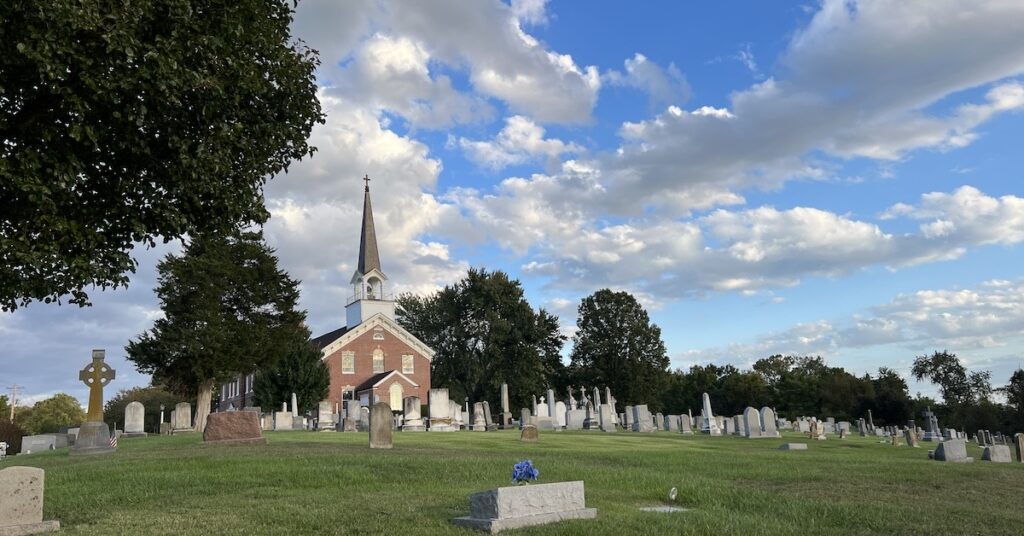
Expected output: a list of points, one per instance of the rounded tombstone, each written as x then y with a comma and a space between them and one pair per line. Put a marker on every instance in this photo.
529, 434
380, 426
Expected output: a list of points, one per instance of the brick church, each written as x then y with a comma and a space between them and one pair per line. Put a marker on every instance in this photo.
371, 358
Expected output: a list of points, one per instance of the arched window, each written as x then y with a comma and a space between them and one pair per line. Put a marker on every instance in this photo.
378, 360
395, 394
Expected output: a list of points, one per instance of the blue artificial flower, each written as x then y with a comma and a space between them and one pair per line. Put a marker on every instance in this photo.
524, 471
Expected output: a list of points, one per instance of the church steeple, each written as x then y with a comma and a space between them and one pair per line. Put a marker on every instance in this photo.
369, 258
368, 297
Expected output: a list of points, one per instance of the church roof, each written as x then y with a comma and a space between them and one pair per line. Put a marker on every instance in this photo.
329, 337
376, 379
369, 258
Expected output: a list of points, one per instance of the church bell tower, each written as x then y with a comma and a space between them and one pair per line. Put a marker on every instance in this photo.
369, 297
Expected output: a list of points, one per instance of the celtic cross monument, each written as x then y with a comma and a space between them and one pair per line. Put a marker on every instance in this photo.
93, 435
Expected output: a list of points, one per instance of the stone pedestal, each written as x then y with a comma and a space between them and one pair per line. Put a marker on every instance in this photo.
233, 427
93, 438
525, 506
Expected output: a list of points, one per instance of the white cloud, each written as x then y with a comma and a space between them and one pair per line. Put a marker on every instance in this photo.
530, 11
520, 141
664, 86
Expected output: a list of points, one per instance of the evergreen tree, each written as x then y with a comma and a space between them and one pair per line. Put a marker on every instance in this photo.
301, 371
151, 399
616, 345
228, 311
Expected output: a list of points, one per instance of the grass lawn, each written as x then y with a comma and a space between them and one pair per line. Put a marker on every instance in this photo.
332, 483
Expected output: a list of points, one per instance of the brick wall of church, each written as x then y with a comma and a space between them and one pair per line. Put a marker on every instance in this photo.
363, 347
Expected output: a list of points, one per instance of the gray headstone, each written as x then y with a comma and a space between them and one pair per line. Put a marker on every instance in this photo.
752, 422
479, 425
380, 426
411, 412
560, 410
769, 422
996, 453
574, 419
607, 419
182, 417
710, 425
134, 418
793, 446
529, 434
954, 450
440, 411
21, 501
643, 421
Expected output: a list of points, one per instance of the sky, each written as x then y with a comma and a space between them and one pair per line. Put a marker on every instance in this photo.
837, 178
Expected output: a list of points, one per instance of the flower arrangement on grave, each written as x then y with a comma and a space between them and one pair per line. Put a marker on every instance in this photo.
523, 472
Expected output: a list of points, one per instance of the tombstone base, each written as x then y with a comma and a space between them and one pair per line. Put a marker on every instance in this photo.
494, 526
414, 428
134, 434
30, 528
177, 431
93, 438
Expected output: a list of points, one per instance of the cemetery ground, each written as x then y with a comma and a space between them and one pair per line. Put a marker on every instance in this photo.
332, 483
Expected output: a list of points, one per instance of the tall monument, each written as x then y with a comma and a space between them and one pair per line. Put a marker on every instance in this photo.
93, 435
710, 425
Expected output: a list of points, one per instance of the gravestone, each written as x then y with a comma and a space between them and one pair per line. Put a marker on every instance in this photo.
440, 411
283, 421
543, 422
529, 434
684, 425
460, 419
21, 501
793, 446
233, 427
862, 427
954, 450
35, 444
1018, 445
478, 418
730, 427
709, 424
512, 507
353, 410
267, 422
843, 426
659, 421
506, 413
525, 417
380, 426
325, 416
134, 419
628, 417
933, 432
93, 434
607, 418
551, 404
642, 419
739, 425
295, 406
752, 422
803, 426
672, 423
560, 410
911, 437
996, 453
413, 419
575, 418
487, 415
769, 423
181, 419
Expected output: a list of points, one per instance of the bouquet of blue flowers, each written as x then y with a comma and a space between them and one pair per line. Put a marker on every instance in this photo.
523, 472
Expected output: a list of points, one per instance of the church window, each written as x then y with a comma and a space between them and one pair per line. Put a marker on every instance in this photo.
407, 364
378, 360
348, 362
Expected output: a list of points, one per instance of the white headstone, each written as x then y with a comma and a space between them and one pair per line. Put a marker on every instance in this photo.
134, 418
710, 424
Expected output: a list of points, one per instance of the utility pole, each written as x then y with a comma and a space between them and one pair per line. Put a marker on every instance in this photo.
14, 398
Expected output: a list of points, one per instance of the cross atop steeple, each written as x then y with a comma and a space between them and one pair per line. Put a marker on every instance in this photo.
366, 178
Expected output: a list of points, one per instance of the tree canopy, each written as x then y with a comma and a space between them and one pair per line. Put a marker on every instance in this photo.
301, 371
616, 345
228, 310
126, 122
48, 416
485, 333
151, 399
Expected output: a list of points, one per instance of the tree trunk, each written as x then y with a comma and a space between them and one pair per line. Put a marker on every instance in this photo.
203, 404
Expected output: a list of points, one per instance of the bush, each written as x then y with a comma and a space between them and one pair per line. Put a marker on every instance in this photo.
11, 434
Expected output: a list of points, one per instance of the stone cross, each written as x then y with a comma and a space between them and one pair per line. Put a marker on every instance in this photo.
96, 375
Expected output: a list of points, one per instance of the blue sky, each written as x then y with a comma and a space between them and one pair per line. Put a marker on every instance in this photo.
836, 178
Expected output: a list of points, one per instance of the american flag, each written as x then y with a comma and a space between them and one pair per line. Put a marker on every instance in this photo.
113, 440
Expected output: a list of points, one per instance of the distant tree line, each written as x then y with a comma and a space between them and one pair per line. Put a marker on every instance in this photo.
485, 333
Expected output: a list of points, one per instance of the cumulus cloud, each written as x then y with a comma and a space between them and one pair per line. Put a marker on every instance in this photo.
965, 321
664, 86
520, 141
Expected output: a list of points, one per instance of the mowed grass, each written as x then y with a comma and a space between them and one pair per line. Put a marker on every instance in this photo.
332, 483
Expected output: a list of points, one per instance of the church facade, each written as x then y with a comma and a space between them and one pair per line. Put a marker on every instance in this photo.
371, 358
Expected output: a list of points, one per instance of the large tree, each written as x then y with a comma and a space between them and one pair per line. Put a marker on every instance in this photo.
485, 333
957, 385
228, 310
48, 416
132, 121
301, 371
616, 345
151, 399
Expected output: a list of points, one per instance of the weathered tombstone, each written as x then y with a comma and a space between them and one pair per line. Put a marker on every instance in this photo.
233, 427
730, 427
523, 506
560, 410
551, 404
266, 422
460, 419
134, 419
380, 426
752, 422
506, 413
543, 422
487, 414
642, 419
440, 411
659, 421
35, 444
524, 417
803, 426
575, 418
684, 425
996, 453
739, 426
94, 435
954, 450
325, 416
933, 432
283, 420
793, 446
710, 424
671, 423
182, 418
529, 434
607, 418
911, 437
411, 410
981, 438
295, 406
352, 413
478, 418
21, 501
1018, 444
769, 423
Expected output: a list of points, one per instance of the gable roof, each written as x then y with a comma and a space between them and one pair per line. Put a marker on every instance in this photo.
378, 319
381, 377
328, 338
